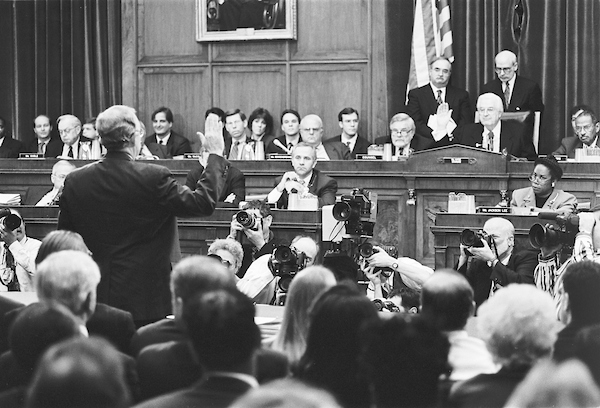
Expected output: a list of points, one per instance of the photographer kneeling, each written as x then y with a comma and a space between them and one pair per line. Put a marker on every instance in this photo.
494, 262
259, 282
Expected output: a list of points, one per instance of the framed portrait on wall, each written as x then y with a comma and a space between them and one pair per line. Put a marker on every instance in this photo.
241, 20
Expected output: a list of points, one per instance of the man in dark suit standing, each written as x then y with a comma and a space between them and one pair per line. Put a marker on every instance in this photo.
518, 93
495, 135
9, 147
126, 213
311, 132
441, 100
403, 137
43, 142
165, 143
348, 119
305, 180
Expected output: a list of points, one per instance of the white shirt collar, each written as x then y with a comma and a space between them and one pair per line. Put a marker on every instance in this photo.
165, 139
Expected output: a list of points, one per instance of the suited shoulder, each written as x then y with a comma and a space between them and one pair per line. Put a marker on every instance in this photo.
332, 140
457, 91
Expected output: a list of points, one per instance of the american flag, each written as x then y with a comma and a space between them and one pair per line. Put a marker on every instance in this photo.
432, 37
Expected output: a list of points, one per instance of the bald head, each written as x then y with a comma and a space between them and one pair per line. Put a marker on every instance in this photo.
60, 170
447, 300
506, 56
311, 130
506, 65
499, 226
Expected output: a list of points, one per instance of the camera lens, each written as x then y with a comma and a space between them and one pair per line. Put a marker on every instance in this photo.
11, 222
245, 218
365, 250
284, 254
541, 236
470, 239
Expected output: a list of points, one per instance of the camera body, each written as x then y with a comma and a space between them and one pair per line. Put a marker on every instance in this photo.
9, 220
388, 305
248, 220
358, 211
285, 263
366, 249
470, 238
551, 235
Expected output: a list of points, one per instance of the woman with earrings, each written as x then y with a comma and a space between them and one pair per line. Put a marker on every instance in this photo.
542, 195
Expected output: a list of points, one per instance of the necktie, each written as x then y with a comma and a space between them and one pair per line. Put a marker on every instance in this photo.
507, 95
70, 152
439, 97
9, 263
41, 147
290, 147
233, 154
491, 141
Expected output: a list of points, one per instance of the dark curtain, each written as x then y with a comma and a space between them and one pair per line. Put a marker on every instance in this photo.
556, 42
63, 56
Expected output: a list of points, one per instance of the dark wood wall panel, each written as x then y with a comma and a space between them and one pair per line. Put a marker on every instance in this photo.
250, 87
327, 89
184, 90
332, 29
249, 51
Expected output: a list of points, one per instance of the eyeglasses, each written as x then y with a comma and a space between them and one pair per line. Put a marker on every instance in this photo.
223, 261
68, 130
402, 132
504, 70
585, 128
535, 176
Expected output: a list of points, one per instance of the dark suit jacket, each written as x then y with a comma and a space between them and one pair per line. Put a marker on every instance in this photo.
526, 95
53, 148
273, 148
235, 183
176, 146
213, 392
568, 146
113, 324
229, 141
10, 148
417, 143
519, 269
126, 213
360, 147
422, 103
321, 185
337, 151
161, 331
512, 138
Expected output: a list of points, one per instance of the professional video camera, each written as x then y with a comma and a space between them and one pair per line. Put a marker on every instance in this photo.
551, 235
358, 211
248, 220
285, 263
470, 238
9, 220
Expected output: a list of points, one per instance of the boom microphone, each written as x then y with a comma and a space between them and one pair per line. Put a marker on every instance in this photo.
281, 146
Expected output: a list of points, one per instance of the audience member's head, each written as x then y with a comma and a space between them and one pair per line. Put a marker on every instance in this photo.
311, 130
229, 252
261, 210
218, 112
518, 325
409, 299
69, 128
343, 266
69, 278
197, 274
42, 127
405, 356
162, 121
118, 127
89, 129
60, 240
402, 130
587, 349
81, 372
286, 393
290, 122
440, 70
37, 327
60, 170
581, 285
303, 244
235, 123
568, 384
222, 329
304, 289
447, 300
261, 122
490, 108
576, 111
505, 65
348, 121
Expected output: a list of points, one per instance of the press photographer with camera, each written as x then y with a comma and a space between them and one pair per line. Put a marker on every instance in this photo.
273, 272
254, 223
17, 255
489, 261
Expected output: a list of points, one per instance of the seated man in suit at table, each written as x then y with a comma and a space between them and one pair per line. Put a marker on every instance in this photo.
165, 143
238, 136
69, 129
497, 263
586, 127
290, 124
311, 131
60, 170
305, 180
9, 147
438, 107
403, 137
43, 142
495, 135
348, 120
234, 190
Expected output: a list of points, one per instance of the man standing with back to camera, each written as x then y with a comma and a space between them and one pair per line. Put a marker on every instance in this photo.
126, 213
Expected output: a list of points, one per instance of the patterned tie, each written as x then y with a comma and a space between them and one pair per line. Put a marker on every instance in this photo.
70, 152
491, 141
506, 95
439, 97
41, 148
290, 147
233, 154
9, 262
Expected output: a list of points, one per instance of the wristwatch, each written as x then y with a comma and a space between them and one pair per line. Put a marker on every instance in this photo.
395, 266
